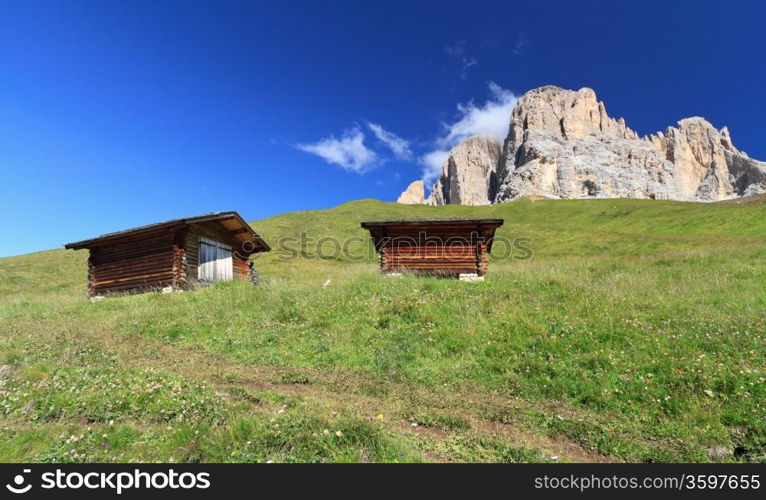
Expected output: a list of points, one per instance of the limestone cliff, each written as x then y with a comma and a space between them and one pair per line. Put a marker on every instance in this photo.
468, 176
413, 195
563, 144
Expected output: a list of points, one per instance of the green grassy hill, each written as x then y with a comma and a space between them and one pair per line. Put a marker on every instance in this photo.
636, 331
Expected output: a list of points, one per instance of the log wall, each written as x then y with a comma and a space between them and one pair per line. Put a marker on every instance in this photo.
432, 259
146, 263
441, 248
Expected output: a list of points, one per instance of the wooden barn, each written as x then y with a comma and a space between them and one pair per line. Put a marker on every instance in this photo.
175, 255
448, 247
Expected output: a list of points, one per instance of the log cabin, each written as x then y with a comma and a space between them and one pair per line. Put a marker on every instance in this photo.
178, 254
446, 247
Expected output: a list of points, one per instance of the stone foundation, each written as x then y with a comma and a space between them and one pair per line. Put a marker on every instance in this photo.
470, 277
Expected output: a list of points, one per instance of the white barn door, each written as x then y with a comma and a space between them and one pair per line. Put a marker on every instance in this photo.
215, 262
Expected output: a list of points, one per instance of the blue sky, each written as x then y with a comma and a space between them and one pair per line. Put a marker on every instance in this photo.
116, 114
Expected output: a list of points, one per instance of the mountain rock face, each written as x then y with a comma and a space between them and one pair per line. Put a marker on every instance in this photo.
414, 194
469, 174
562, 144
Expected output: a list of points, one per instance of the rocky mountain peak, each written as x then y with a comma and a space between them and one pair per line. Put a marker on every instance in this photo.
468, 174
565, 113
563, 144
414, 194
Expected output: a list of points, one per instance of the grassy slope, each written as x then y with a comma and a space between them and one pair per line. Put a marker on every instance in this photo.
635, 332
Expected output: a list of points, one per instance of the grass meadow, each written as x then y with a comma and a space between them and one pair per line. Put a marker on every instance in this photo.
634, 331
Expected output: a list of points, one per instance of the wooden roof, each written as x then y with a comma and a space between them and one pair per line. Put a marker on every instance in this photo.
433, 222
390, 228
231, 221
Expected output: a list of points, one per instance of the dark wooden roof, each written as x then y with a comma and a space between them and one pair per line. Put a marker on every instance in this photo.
389, 228
231, 221
429, 222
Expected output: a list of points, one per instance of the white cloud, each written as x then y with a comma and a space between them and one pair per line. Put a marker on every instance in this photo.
432, 165
466, 64
522, 44
397, 145
349, 152
458, 51
491, 120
